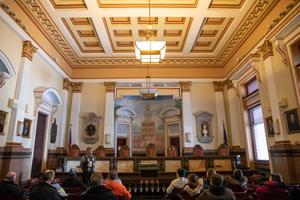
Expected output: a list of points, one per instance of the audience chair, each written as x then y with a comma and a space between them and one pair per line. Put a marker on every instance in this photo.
273, 196
241, 195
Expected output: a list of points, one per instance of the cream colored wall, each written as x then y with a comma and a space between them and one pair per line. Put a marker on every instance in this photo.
42, 75
92, 100
11, 46
203, 99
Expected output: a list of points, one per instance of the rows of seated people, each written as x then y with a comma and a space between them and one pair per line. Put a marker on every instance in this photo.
186, 186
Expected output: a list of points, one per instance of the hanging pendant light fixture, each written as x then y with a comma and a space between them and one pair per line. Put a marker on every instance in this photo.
149, 51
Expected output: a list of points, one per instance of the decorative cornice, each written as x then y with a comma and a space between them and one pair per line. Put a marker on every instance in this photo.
28, 50
12, 15
281, 49
66, 84
185, 86
229, 84
266, 49
76, 87
110, 86
218, 86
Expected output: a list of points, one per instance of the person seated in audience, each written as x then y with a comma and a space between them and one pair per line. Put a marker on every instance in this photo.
275, 184
262, 178
206, 181
98, 190
117, 188
179, 182
8, 186
73, 181
45, 191
217, 190
238, 183
194, 186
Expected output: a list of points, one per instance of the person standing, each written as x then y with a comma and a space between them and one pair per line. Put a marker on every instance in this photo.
87, 164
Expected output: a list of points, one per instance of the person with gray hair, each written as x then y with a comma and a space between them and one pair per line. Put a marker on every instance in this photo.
217, 190
9, 187
98, 190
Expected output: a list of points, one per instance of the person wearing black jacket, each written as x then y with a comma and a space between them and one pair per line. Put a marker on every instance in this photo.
8, 186
73, 181
97, 189
45, 191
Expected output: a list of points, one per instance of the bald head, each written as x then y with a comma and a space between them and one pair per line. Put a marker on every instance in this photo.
11, 176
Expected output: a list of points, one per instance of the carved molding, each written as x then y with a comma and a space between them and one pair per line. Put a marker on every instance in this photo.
256, 72
110, 86
66, 84
267, 49
76, 87
12, 15
218, 86
185, 86
281, 49
28, 50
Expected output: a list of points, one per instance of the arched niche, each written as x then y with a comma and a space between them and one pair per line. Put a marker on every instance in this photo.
47, 100
6, 69
124, 117
172, 120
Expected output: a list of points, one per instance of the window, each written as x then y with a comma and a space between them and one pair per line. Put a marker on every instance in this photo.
252, 86
258, 134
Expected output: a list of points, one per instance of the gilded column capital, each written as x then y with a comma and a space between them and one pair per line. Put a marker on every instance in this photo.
229, 84
110, 86
76, 87
266, 49
66, 84
185, 86
218, 86
28, 50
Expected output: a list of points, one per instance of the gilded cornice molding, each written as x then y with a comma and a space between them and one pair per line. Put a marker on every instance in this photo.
218, 86
36, 12
110, 86
28, 50
66, 84
229, 84
12, 15
267, 49
185, 86
76, 87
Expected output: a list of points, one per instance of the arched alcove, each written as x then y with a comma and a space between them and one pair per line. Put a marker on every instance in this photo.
6, 69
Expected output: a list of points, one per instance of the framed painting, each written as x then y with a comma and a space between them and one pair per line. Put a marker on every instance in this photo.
26, 128
292, 120
3, 116
270, 126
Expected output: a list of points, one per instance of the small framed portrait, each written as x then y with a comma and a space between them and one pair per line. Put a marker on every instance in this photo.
270, 126
26, 128
3, 116
292, 120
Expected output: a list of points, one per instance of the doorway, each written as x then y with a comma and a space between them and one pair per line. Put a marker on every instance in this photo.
120, 142
174, 141
39, 144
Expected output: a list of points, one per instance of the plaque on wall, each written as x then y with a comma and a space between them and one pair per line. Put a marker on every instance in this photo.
204, 127
90, 128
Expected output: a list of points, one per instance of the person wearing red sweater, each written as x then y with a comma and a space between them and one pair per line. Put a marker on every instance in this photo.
275, 184
117, 188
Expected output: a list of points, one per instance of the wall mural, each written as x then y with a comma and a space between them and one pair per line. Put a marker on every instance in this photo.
147, 126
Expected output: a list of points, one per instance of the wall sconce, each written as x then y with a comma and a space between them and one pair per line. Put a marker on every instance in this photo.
188, 137
107, 138
283, 102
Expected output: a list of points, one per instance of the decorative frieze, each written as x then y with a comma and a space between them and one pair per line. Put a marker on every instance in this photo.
267, 49
28, 50
185, 86
218, 86
110, 86
67, 84
76, 87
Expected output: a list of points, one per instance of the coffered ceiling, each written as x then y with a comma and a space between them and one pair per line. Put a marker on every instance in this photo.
91, 34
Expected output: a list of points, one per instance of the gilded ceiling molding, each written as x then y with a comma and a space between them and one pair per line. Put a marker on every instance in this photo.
12, 15
76, 87
67, 84
110, 86
218, 86
229, 84
185, 86
266, 49
28, 50
246, 27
